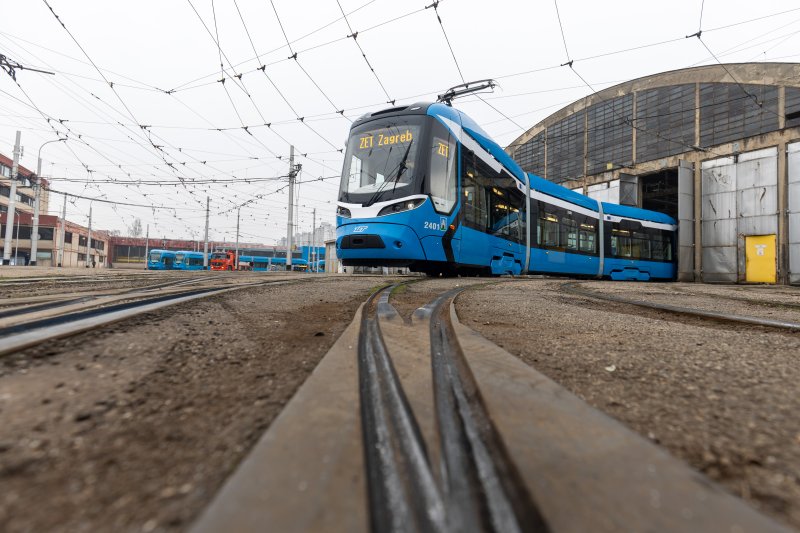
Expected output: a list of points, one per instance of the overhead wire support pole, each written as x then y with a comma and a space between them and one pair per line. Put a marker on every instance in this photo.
63, 233
205, 245
146, 246
314, 258
89, 253
236, 257
12, 202
289, 224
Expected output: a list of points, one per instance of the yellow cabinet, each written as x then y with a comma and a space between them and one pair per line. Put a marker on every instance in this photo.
760, 265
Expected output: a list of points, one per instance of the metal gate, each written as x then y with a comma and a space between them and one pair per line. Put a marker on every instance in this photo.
739, 198
718, 228
793, 150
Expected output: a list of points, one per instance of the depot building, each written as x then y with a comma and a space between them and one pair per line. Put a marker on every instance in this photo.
715, 147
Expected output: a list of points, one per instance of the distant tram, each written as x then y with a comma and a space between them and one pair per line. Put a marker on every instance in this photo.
263, 264
424, 186
187, 260
161, 260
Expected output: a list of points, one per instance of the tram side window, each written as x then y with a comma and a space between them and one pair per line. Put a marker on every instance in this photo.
588, 241
443, 181
645, 243
549, 232
640, 244
621, 243
507, 210
566, 230
476, 215
661, 244
569, 234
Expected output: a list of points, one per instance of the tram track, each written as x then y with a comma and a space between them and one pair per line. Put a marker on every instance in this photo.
71, 280
62, 319
21, 306
751, 301
424, 425
576, 289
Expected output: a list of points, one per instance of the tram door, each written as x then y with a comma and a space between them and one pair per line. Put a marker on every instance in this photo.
760, 265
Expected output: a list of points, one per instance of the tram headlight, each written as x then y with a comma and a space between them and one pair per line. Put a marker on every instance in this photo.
405, 205
343, 212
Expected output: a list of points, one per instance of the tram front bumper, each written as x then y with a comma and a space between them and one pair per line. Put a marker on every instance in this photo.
378, 244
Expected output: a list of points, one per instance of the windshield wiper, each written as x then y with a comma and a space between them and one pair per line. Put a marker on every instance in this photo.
401, 167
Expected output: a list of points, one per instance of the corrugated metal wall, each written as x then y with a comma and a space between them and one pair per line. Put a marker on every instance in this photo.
685, 222
718, 214
793, 150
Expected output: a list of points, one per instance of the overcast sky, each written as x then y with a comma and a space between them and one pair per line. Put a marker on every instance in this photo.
163, 60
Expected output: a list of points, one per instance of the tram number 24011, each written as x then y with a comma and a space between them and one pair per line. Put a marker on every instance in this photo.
439, 226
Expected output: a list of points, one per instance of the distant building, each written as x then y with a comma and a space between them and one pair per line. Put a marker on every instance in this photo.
76, 239
715, 147
325, 231
25, 193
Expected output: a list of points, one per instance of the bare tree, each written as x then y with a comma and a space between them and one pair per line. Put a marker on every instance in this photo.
135, 229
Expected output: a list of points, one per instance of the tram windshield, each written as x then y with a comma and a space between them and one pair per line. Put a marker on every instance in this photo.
381, 162
155, 256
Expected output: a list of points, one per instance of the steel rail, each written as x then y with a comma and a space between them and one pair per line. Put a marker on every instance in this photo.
6, 312
573, 288
403, 495
743, 299
18, 337
480, 488
483, 490
15, 282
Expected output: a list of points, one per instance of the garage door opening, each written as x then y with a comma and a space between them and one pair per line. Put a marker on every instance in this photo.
660, 192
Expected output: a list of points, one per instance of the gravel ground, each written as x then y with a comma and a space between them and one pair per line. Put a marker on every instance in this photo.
135, 426
723, 398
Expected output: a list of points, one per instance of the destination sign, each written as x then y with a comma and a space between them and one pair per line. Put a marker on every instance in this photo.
384, 139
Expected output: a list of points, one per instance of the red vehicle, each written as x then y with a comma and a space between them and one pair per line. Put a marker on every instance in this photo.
223, 261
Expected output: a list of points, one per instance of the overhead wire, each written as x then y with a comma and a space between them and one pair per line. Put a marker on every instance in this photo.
274, 85
297, 62
354, 35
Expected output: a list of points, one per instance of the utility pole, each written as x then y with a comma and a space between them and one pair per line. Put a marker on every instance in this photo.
63, 232
146, 246
314, 240
16, 246
35, 228
89, 238
236, 257
289, 225
37, 194
12, 203
205, 246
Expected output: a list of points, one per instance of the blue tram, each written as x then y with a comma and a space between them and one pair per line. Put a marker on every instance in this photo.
161, 260
424, 186
259, 263
188, 260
